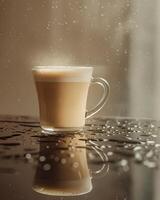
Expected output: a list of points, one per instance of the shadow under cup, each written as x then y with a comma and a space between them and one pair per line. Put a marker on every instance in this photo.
62, 95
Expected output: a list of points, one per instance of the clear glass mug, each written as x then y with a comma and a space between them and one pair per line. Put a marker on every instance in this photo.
62, 95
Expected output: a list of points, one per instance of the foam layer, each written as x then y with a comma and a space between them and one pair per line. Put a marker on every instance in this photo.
62, 73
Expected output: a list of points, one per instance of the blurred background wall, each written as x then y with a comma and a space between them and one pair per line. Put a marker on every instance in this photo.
119, 38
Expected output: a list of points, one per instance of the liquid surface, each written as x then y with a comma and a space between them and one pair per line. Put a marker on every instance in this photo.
63, 74
124, 151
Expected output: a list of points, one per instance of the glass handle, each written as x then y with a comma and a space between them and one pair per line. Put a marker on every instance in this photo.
103, 100
103, 170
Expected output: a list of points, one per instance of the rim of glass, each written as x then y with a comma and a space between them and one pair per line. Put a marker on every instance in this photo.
52, 67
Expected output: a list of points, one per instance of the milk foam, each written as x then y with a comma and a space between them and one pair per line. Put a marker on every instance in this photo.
62, 73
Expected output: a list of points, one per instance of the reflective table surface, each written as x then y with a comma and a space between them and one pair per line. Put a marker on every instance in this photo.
112, 159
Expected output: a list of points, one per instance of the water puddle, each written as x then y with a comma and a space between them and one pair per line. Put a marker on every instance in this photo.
118, 141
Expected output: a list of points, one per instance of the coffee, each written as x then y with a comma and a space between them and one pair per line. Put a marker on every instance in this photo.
62, 169
62, 94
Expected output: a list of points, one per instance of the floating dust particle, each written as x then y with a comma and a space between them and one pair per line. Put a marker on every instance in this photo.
152, 126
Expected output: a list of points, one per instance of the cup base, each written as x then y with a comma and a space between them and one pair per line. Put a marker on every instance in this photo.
54, 131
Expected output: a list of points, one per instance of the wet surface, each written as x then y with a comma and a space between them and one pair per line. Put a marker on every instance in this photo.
111, 159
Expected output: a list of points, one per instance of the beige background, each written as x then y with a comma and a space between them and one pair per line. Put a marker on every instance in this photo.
119, 38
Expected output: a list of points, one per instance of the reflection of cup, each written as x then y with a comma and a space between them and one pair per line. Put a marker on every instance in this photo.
62, 169
62, 94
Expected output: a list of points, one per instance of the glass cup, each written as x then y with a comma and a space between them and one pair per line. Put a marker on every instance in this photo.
62, 94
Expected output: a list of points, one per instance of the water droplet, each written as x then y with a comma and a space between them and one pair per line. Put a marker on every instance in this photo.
138, 157
91, 156
149, 154
63, 161
150, 142
143, 143
123, 163
42, 158
75, 164
56, 159
46, 167
28, 156
150, 164
72, 155
137, 148
110, 153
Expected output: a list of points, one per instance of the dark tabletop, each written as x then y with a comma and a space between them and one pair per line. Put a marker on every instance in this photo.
122, 157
